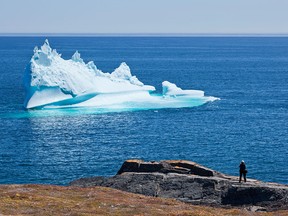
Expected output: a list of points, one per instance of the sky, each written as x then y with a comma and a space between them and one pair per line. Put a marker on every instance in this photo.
144, 16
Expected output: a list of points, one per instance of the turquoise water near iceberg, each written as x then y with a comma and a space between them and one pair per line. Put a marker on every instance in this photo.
249, 122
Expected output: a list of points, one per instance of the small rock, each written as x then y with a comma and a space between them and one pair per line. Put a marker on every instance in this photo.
256, 209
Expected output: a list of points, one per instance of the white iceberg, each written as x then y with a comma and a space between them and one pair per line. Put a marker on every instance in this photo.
52, 82
170, 89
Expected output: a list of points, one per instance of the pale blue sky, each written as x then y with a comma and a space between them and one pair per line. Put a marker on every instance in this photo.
149, 16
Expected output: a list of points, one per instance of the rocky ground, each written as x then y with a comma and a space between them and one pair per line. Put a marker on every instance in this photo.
55, 200
190, 182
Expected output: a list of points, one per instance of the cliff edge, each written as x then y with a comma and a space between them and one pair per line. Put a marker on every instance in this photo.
190, 182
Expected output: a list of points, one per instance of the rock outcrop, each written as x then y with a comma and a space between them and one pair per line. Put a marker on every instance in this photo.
190, 182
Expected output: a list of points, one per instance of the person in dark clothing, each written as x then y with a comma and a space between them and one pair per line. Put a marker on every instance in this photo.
242, 171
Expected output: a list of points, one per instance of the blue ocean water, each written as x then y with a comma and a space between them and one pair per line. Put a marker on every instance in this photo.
250, 122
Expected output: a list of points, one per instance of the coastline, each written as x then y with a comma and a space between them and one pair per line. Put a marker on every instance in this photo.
186, 188
193, 183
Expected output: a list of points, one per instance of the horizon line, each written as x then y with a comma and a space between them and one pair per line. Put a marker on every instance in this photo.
145, 34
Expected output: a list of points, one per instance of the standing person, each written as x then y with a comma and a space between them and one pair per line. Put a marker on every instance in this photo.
242, 170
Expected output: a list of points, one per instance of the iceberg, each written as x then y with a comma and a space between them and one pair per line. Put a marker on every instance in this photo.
52, 82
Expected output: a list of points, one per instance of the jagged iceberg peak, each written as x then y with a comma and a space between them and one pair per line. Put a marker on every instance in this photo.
49, 78
44, 55
124, 72
77, 57
46, 47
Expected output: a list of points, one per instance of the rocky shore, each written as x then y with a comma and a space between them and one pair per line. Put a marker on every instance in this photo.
190, 182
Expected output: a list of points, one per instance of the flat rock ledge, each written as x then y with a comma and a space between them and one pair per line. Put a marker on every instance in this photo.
190, 182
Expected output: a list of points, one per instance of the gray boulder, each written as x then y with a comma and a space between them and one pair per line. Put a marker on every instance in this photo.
190, 182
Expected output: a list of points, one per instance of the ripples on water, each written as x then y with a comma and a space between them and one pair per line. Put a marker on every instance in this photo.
249, 122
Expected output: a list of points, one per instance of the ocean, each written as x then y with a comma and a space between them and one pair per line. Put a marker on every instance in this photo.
250, 122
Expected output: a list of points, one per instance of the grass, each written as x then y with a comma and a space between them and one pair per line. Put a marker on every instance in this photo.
56, 200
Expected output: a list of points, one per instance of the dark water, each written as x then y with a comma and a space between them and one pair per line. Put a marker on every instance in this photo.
250, 121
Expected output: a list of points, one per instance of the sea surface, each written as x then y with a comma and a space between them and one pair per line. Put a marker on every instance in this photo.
250, 122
